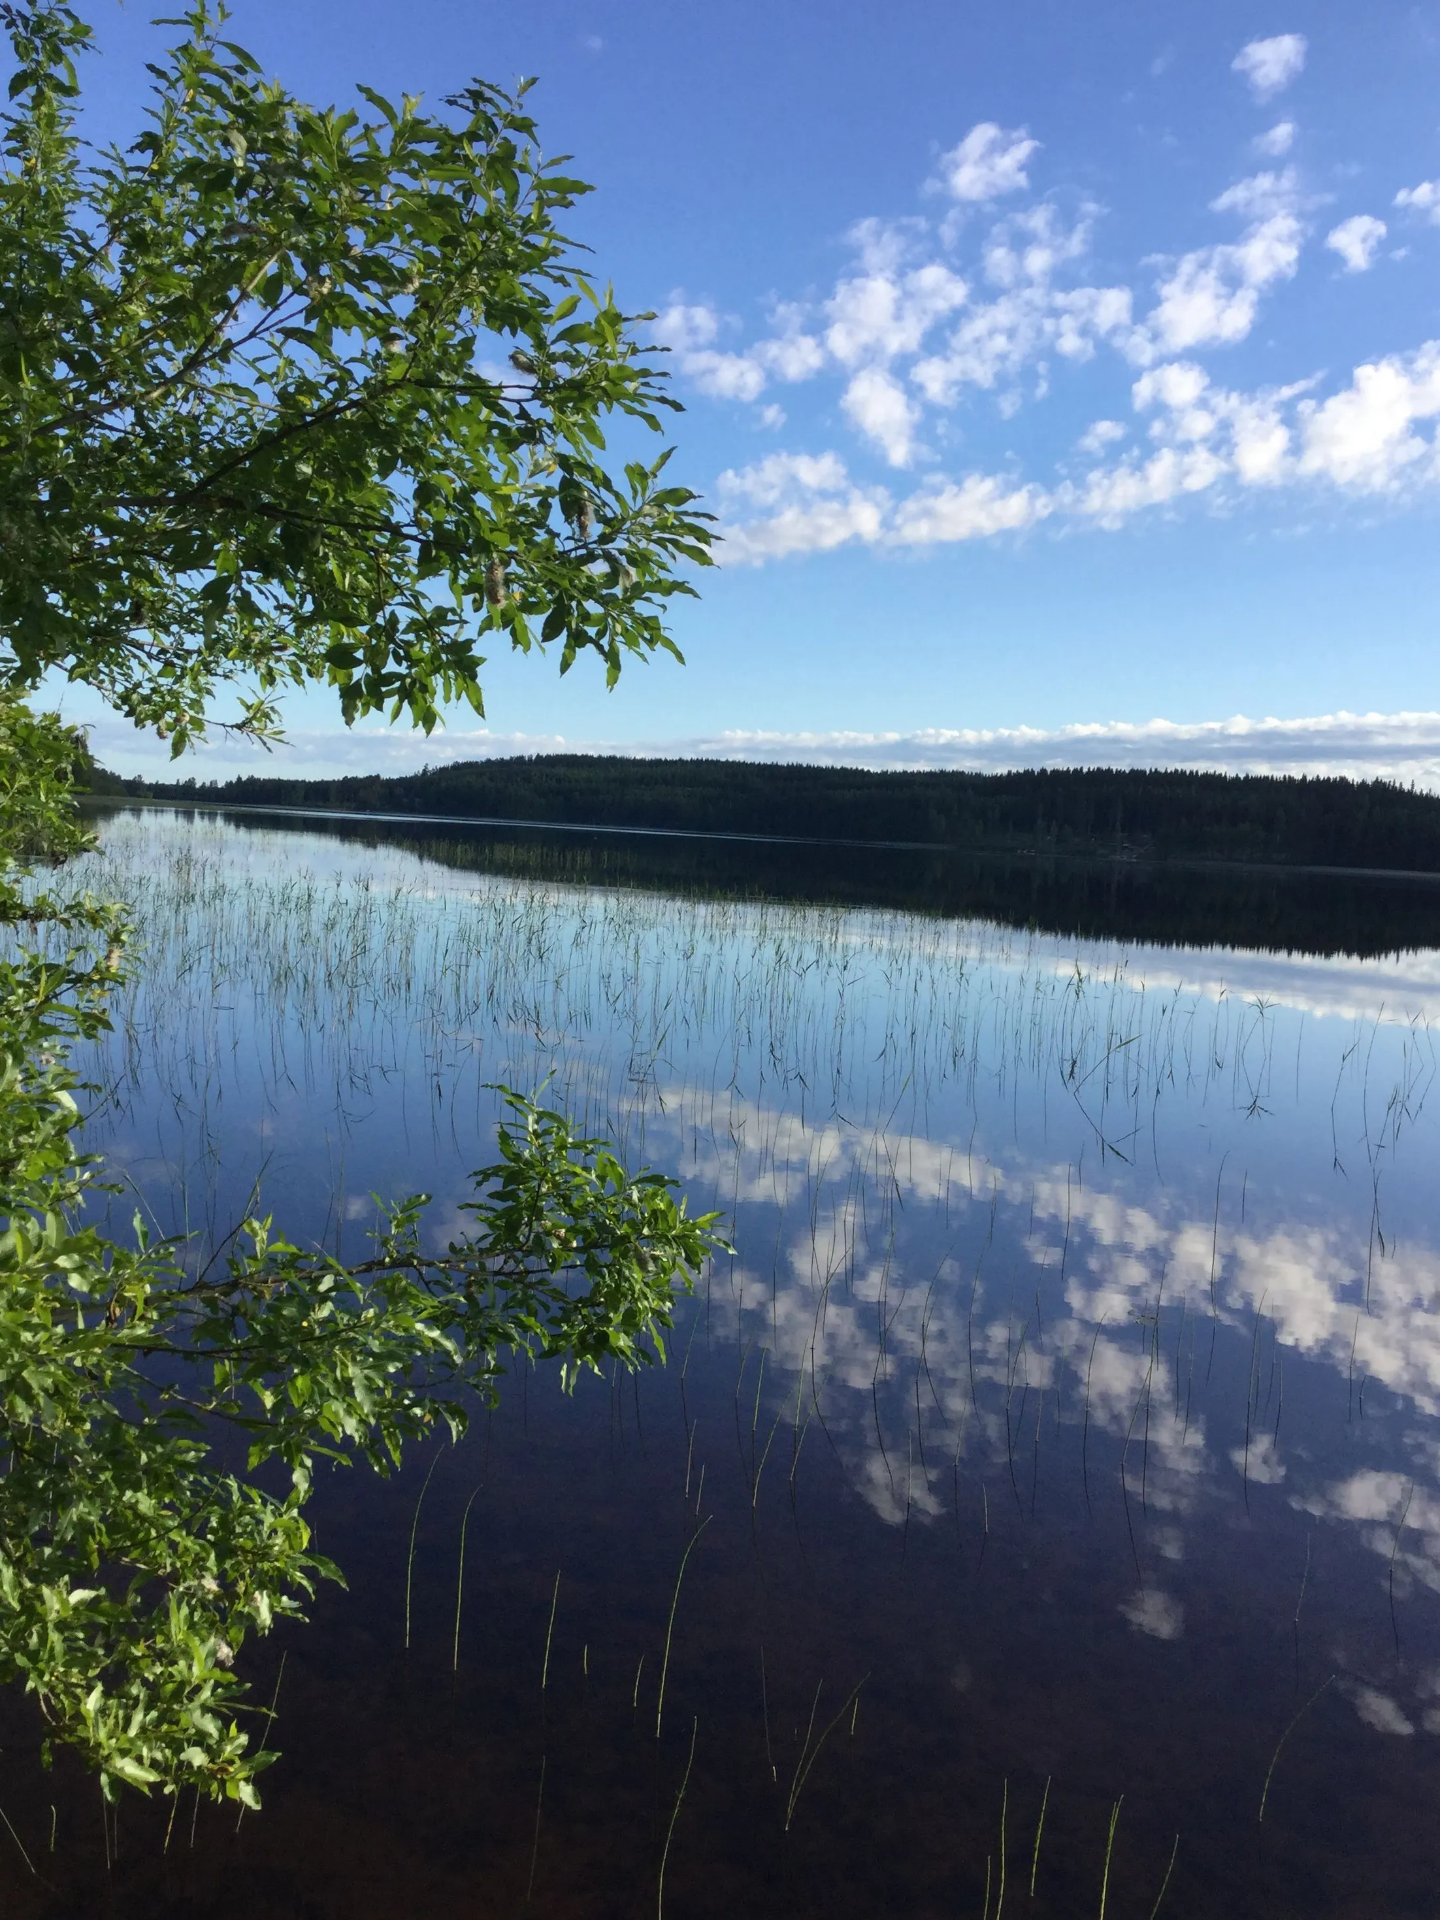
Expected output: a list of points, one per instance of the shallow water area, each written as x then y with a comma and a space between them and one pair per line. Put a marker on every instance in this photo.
1041, 1510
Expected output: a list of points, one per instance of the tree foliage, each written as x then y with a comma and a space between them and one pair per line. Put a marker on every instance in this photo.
286, 395
298, 394
132, 1567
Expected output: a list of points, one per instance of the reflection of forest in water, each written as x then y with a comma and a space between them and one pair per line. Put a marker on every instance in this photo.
1159, 903
1112, 1271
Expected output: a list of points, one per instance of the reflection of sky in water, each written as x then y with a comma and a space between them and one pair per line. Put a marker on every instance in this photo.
1020, 1220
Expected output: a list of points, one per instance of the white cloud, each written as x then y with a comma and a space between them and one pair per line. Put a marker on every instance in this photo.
1364, 437
1277, 141
1101, 434
690, 332
779, 475
884, 413
815, 528
988, 162
791, 353
685, 329
1357, 240
1212, 296
999, 338
1397, 746
879, 315
1112, 496
1177, 385
815, 507
978, 507
1261, 195
1270, 65
1373, 436
1423, 199
726, 376
792, 356
907, 332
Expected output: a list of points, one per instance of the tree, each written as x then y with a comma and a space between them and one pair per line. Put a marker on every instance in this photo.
252, 434
293, 395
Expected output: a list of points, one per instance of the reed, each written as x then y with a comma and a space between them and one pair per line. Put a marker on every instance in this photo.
1039, 1830
460, 1581
674, 1816
810, 1751
414, 1532
1165, 1883
670, 1625
9, 1828
1109, 1851
1280, 1744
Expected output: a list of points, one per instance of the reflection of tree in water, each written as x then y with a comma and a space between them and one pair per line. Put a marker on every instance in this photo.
1165, 904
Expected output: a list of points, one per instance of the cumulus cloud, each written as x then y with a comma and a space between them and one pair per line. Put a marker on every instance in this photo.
1212, 295
780, 475
1261, 195
884, 413
813, 504
690, 333
881, 314
910, 335
1277, 141
979, 506
996, 339
1270, 65
1422, 199
988, 162
809, 527
1365, 437
1357, 240
1376, 435
1101, 434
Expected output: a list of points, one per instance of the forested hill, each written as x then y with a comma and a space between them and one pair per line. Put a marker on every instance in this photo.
1329, 822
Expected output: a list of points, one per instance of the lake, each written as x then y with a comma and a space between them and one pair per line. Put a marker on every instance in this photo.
1039, 1513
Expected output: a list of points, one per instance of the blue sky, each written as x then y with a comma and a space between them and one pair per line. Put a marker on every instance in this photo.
1048, 366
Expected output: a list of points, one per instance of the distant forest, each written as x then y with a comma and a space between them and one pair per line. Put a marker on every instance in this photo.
1130, 814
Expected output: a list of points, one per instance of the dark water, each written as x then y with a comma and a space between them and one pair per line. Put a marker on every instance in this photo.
1167, 904
1063, 1433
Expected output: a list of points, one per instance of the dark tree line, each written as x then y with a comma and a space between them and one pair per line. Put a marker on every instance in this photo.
1158, 815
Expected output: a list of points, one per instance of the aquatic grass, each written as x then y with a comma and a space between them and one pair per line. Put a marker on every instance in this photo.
1165, 1883
550, 1633
801, 1060
460, 1580
810, 1750
10, 1829
1039, 1830
1280, 1743
1109, 1851
414, 1530
264, 1742
670, 1624
674, 1816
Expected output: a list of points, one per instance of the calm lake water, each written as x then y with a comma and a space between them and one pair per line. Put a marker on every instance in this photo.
1061, 1440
